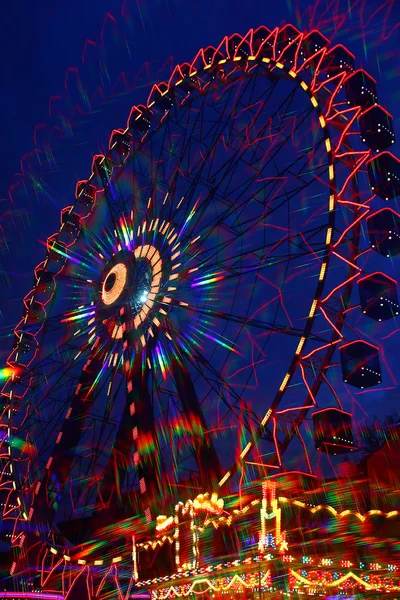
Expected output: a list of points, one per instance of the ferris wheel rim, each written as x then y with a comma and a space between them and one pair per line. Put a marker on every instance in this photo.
281, 66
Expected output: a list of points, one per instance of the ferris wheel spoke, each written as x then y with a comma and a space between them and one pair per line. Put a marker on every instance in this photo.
250, 322
229, 164
280, 146
265, 260
223, 217
76, 280
261, 255
103, 426
186, 151
84, 473
115, 200
233, 207
239, 408
187, 135
146, 459
189, 418
203, 448
59, 464
194, 182
127, 436
52, 376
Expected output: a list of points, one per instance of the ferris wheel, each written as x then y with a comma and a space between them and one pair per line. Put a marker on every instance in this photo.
208, 283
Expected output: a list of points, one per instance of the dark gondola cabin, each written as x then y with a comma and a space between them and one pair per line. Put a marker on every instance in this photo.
384, 175
140, 119
336, 61
360, 89
259, 37
360, 364
313, 43
85, 194
376, 128
384, 232
378, 296
333, 432
71, 221
120, 146
285, 45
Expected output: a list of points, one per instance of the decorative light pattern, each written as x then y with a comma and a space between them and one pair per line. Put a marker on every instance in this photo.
201, 586
118, 275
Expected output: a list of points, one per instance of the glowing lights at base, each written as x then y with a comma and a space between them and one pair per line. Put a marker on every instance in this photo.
29, 595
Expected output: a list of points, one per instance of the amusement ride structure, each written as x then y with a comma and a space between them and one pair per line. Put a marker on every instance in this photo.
184, 357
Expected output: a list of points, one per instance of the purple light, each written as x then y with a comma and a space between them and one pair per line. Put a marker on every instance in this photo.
25, 595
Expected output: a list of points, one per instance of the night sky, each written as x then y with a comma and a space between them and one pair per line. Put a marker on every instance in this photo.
42, 41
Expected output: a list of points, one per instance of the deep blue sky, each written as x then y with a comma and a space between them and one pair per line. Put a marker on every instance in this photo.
39, 41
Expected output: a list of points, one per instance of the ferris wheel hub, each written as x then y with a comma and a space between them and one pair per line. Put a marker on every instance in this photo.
131, 281
114, 284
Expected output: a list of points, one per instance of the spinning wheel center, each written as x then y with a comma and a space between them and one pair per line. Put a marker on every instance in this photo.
142, 283
110, 282
134, 280
114, 284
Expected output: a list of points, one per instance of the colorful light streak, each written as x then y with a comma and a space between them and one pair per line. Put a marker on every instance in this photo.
209, 280
82, 315
7, 372
39, 595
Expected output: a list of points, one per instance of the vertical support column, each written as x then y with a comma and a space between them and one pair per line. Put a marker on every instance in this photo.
206, 455
272, 537
59, 463
269, 510
146, 456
